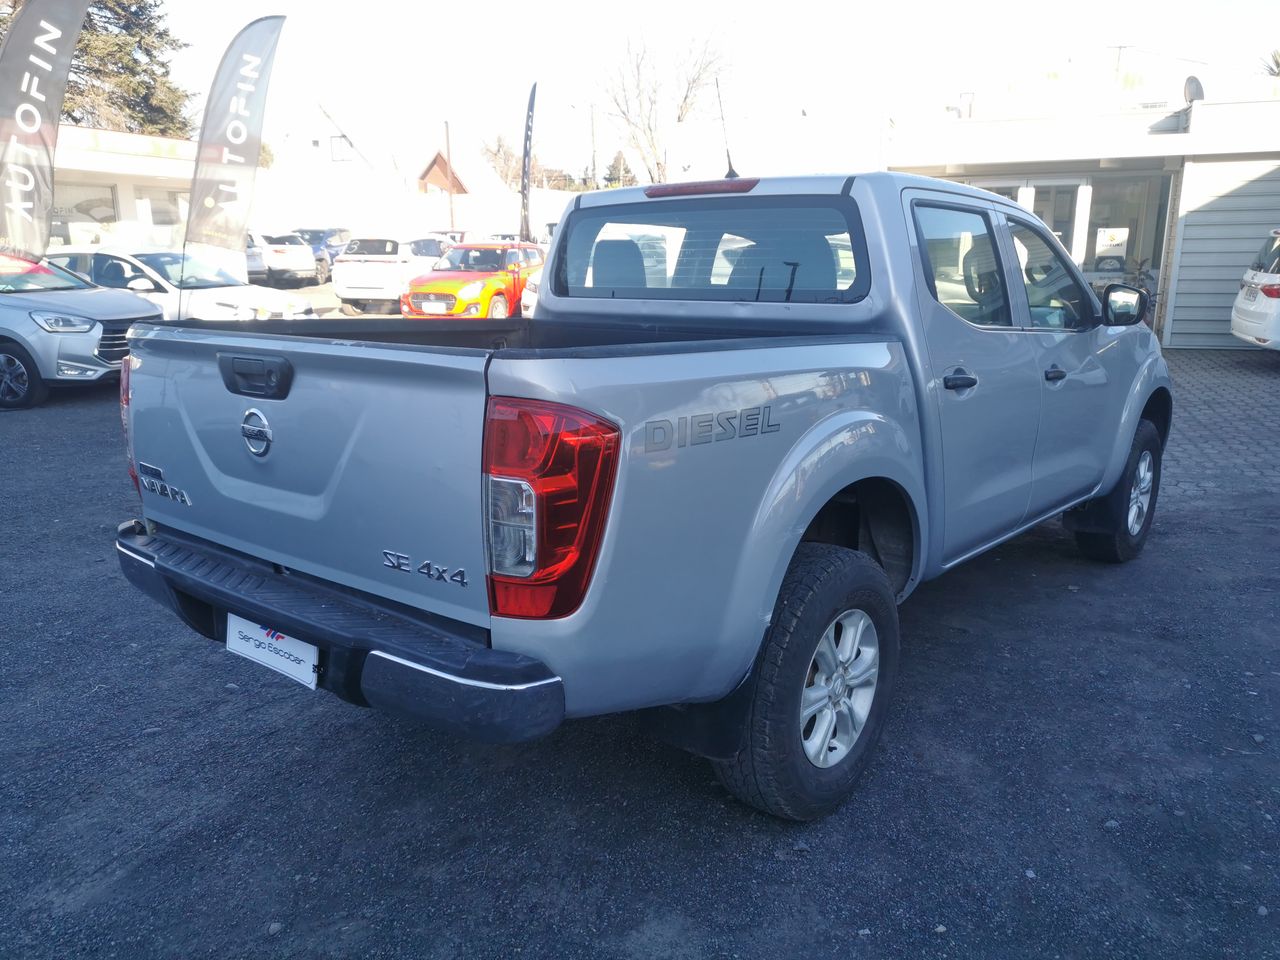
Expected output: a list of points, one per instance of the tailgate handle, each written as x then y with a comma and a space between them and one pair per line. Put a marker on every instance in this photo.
266, 377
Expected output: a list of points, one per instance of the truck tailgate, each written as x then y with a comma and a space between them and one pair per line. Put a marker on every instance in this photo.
371, 472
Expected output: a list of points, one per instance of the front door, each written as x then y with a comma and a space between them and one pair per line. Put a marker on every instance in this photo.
984, 376
1083, 369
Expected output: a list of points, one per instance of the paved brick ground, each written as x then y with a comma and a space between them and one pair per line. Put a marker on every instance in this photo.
1081, 761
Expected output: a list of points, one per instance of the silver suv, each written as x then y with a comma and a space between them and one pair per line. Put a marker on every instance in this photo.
57, 327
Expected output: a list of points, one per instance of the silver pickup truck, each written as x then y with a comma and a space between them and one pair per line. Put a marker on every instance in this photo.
747, 420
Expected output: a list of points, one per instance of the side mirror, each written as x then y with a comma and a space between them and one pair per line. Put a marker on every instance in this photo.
1122, 305
141, 285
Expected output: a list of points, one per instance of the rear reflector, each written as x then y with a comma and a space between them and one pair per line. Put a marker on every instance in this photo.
740, 185
126, 396
549, 472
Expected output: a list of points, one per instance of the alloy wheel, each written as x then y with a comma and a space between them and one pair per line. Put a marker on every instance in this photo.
839, 688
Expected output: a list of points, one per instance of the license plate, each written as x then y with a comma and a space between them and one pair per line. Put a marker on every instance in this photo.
1251, 293
434, 306
271, 648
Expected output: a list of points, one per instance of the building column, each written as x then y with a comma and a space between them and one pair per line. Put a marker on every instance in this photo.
1080, 229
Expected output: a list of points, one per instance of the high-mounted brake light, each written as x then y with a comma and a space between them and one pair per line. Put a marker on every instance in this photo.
549, 473
1271, 290
126, 396
739, 185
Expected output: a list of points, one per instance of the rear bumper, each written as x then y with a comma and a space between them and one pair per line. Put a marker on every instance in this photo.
436, 671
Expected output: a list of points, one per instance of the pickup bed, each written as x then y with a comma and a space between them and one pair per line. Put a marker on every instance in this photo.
747, 420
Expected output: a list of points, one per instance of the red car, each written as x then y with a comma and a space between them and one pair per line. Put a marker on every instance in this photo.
473, 280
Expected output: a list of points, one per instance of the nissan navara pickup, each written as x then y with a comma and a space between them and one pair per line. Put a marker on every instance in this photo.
750, 417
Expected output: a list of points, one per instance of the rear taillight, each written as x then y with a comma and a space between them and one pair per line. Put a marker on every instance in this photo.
549, 472
126, 396
1271, 290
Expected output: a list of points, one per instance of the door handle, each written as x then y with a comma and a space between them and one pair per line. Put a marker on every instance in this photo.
1054, 374
960, 381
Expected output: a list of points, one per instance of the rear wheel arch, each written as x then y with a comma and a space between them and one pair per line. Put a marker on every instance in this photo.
875, 516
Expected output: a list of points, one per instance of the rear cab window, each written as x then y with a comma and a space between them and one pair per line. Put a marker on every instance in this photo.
767, 249
1268, 258
370, 247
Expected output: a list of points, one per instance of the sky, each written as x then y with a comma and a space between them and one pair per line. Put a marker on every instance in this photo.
807, 86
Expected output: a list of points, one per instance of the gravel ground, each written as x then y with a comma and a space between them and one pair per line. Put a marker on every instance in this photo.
1081, 761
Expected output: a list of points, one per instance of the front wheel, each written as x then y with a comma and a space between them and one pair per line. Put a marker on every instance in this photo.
322, 271
1128, 509
822, 686
498, 307
20, 381
351, 309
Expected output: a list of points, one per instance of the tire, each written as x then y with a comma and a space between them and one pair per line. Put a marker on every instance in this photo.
322, 272
773, 771
497, 307
20, 382
350, 308
1120, 536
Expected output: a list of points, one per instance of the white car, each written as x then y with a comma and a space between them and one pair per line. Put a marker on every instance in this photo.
207, 293
1255, 317
287, 257
529, 296
372, 273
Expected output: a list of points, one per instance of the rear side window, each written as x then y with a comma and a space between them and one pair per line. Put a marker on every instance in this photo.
373, 248
962, 265
287, 239
799, 249
1268, 259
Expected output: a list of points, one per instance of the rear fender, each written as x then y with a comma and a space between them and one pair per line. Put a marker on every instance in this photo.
843, 449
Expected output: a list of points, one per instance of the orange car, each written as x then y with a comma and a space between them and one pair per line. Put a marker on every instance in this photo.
473, 280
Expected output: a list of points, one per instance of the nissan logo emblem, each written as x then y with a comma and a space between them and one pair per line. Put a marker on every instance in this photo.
256, 432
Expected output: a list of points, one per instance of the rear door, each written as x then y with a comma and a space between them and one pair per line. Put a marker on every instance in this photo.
365, 472
985, 380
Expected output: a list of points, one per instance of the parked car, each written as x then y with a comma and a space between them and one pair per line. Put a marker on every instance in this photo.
373, 272
58, 328
1255, 316
529, 296
473, 280
206, 292
327, 245
288, 259
255, 265
703, 498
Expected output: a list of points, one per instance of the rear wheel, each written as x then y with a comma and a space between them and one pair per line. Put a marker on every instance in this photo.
20, 381
1129, 508
322, 271
498, 307
822, 686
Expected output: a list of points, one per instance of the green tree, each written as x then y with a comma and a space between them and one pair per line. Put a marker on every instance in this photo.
619, 173
120, 73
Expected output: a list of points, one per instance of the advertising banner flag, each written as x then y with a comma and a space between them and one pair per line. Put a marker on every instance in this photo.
34, 62
527, 169
230, 144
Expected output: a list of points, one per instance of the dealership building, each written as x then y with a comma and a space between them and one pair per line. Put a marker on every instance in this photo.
1190, 194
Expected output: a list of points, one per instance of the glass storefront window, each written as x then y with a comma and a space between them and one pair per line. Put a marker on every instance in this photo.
80, 210
161, 207
1115, 223
1056, 206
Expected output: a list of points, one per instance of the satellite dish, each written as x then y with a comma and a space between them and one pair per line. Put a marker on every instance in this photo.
1192, 90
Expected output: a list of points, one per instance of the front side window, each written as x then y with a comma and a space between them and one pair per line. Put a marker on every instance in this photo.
962, 265
802, 249
114, 272
1057, 300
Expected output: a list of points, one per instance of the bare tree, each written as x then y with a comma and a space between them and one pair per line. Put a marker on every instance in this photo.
505, 160
1272, 64
648, 107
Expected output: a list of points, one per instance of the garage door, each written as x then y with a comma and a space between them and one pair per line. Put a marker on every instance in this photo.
1227, 208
